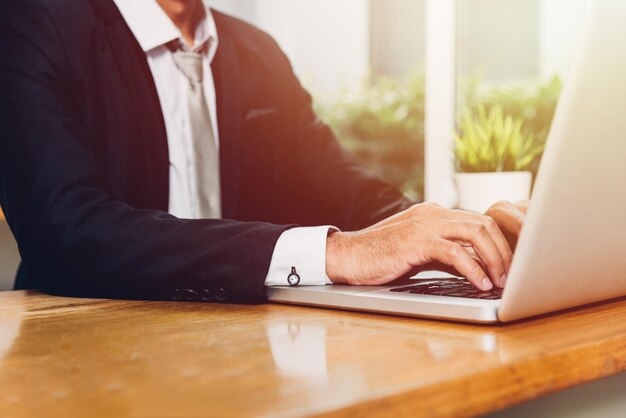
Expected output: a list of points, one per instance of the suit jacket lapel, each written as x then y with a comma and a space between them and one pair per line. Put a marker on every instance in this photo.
226, 74
133, 66
152, 146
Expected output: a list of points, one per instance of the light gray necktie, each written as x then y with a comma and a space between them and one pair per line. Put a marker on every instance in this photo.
203, 141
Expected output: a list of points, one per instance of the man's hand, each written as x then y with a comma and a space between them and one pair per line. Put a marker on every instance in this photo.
417, 239
510, 217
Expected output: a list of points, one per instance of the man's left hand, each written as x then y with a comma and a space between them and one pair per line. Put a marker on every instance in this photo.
510, 218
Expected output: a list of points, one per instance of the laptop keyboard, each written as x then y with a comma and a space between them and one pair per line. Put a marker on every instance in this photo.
452, 288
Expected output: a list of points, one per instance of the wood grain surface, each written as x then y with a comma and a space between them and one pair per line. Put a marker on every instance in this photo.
102, 358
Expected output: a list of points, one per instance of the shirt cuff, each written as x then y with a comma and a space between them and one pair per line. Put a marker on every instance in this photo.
303, 249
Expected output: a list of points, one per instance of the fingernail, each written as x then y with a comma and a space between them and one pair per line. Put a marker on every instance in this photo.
486, 284
503, 280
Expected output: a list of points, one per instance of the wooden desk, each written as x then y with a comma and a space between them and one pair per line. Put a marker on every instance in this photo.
99, 358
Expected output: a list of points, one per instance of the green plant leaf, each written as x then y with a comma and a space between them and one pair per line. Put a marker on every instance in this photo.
489, 141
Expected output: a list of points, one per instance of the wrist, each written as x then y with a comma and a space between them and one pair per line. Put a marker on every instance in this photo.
336, 244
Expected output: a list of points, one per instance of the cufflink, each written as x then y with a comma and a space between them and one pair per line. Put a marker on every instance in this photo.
293, 279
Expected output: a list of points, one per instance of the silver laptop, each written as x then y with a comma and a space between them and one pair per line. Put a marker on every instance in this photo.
572, 250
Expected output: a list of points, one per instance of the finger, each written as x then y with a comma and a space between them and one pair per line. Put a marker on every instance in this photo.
501, 242
510, 219
522, 206
479, 237
439, 266
510, 222
475, 256
513, 215
454, 255
497, 235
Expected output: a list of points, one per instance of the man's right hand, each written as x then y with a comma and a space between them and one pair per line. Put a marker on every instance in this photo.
420, 238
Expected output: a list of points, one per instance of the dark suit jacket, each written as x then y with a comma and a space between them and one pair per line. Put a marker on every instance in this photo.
84, 160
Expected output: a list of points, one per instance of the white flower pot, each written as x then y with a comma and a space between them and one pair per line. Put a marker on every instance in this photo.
478, 191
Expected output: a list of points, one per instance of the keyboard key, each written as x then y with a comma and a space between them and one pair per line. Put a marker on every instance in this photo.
401, 289
451, 288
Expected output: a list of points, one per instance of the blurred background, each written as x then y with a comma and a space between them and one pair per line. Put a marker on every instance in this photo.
393, 78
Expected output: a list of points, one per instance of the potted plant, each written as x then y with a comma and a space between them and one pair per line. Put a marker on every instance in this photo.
493, 157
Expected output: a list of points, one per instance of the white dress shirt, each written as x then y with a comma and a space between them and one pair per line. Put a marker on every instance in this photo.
302, 248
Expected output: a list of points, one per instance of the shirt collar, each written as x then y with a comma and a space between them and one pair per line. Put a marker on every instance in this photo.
152, 27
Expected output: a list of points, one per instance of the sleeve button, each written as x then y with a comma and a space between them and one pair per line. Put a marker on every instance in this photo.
191, 294
220, 295
206, 295
176, 295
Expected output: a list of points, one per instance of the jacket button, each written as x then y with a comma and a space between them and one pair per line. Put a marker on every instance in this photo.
176, 295
190, 294
220, 295
206, 294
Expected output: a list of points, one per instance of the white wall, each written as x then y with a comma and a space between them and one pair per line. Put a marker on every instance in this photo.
498, 39
560, 23
331, 47
244, 9
397, 36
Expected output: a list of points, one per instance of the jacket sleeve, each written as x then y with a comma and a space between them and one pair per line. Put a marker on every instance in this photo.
69, 230
315, 167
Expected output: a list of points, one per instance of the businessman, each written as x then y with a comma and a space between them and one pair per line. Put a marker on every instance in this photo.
163, 150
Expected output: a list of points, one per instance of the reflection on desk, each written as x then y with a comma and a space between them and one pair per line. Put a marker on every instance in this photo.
82, 357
